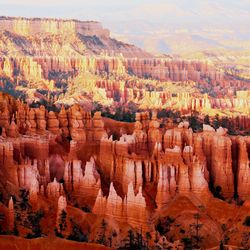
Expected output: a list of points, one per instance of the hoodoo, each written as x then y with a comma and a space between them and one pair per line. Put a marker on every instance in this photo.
103, 143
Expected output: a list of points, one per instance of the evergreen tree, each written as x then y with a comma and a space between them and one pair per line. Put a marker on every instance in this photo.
207, 120
77, 233
216, 122
102, 235
245, 242
164, 224
194, 123
187, 243
15, 230
2, 219
247, 221
195, 231
148, 237
63, 222
131, 237
34, 221
24, 204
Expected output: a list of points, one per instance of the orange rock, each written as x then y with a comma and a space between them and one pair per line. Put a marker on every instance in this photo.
11, 217
243, 180
54, 190
53, 123
61, 207
221, 165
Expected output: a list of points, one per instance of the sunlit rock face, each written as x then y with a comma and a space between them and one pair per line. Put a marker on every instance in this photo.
243, 168
55, 42
222, 164
61, 208
119, 159
181, 156
11, 215
131, 209
176, 71
67, 62
76, 162
81, 71
70, 159
25, 27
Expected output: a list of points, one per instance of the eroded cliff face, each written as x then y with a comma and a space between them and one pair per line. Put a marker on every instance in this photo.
78, 62
132, 179
113, 81
213, 150
110, 176
243, 167
32, 26
59, 38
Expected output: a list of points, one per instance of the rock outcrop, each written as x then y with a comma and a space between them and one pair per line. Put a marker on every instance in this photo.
128, 173
61, 216
11, 215
221, 165
131, 210
243, 169
62, 160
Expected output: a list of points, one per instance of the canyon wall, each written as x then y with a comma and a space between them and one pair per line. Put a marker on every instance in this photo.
127, 89
29, 27
128, 178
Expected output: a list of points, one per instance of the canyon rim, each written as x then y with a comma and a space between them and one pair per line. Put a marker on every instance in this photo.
135, 136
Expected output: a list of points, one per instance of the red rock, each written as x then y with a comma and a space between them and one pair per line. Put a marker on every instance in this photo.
221, 165
11, 217
243, 177
61, 206
163, 187
54, 190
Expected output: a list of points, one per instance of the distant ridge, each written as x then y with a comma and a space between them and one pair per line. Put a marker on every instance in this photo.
39, 37
46, 19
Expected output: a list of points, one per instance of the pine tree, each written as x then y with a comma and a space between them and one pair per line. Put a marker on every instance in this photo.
102, 235
207, 120
63, 222
196, 234
77, 233
216, 122
34, 220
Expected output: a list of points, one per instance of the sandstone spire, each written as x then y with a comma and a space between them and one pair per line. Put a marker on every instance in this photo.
11, 215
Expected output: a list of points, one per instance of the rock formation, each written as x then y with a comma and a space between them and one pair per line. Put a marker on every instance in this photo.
54, 190
11, 215
221, 164
61, 220
173, 159
99, 131
131, 210
243, 175
76, 125
129, 177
